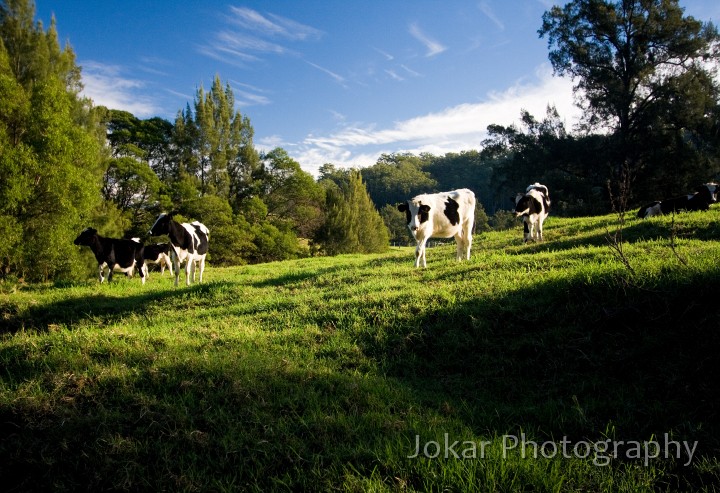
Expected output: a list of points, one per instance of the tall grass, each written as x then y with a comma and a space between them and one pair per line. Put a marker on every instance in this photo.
322, 374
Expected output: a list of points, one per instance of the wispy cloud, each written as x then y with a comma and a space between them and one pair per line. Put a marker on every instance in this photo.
388, 57
432, 46
248, 36
107, 85
338, 78
272, 25
490, 14
454, 129
393, 75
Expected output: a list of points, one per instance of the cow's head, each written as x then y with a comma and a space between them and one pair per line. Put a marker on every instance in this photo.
416, 213
86, 237
161, 226
711, 189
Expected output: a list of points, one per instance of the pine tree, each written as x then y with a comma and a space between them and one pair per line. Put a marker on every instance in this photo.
353, 224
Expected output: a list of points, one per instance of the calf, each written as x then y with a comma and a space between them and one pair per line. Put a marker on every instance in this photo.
113, 253
534, 207
441, 215
700, 200
189, 242
157, 254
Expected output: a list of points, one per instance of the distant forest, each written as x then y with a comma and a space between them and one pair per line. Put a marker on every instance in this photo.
645, 74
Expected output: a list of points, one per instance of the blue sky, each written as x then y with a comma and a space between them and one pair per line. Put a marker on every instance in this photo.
329, 81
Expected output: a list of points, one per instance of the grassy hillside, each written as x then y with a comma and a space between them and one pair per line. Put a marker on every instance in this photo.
324, 374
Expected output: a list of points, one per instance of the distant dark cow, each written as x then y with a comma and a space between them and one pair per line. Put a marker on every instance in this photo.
534, 207
441, 215
189, 242
158, 254
113, 254
700, 200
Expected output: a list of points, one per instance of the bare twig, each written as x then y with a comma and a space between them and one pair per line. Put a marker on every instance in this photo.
619, 205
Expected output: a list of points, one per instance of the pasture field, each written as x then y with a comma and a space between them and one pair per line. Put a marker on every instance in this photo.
551, 365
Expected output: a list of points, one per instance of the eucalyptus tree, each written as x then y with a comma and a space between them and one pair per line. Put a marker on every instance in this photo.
633, 61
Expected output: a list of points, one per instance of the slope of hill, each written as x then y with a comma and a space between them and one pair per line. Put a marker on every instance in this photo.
545, 367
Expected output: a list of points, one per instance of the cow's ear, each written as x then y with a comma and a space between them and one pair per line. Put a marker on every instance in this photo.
424, 208
402, 207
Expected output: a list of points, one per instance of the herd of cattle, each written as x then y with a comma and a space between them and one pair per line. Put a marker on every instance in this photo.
429, 215
188, 243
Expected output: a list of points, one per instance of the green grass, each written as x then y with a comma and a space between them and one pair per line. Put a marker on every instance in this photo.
318, 374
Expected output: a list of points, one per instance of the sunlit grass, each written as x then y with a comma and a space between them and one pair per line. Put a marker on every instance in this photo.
319, 374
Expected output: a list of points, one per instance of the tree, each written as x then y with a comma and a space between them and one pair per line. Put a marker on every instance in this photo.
397, 177
49, 152
631, 59
353, 224
291, 194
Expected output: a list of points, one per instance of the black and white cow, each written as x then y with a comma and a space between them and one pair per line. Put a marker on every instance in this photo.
441, 215
534, 207
113, 254
700, 200
189, 242
158, 254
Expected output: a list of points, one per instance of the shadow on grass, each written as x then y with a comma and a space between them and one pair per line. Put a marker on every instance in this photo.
561, 359
103, 308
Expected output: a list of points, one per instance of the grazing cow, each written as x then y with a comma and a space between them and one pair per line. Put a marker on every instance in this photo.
441, 215
113, 254
534, 207
158, 254
700, 200
189, 242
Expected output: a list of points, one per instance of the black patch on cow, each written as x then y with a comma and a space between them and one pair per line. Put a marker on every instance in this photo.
527, 203
403, 207
202, 247
424, 213
451, 211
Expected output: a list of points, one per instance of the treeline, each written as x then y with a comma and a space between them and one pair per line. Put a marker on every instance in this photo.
67, 164
651, 129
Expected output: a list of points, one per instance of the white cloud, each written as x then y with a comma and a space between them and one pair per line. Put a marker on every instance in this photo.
454, 129
106, 86
433, 47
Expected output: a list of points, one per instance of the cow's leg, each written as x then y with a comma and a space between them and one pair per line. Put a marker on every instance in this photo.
202, 267
464, 242
458, 247
176, 265
540, 229
189, 270
169, 265
526, 230
111, 268
420, 253
101, 274
468, 240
